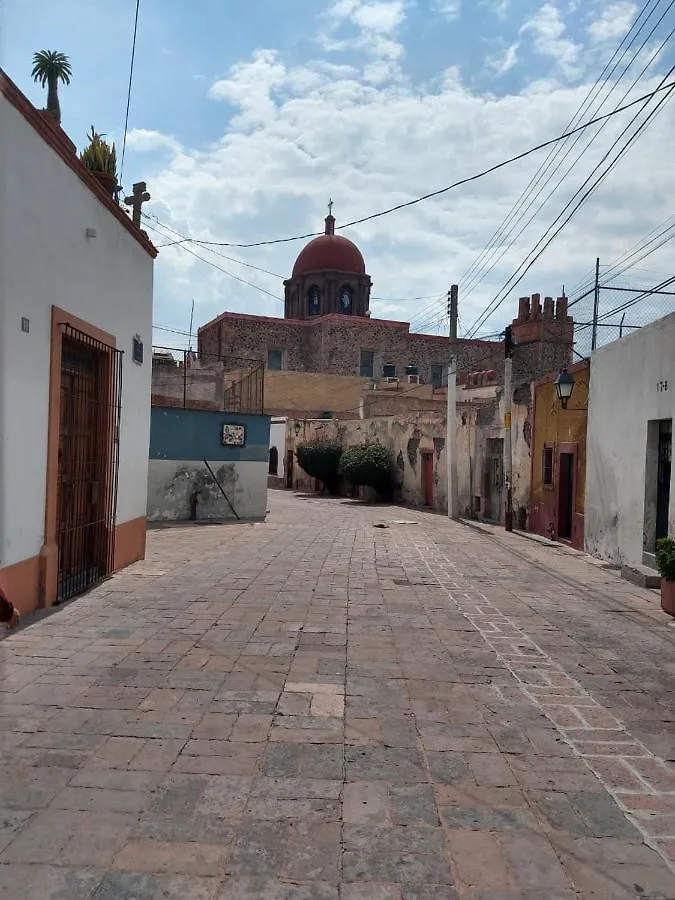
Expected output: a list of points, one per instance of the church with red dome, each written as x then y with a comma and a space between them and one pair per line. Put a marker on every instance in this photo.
329, 276
327, 327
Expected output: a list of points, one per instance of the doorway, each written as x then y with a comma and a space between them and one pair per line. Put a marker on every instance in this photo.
289, 469
565, 495
663, 477
88, 455
428, 478
494, 479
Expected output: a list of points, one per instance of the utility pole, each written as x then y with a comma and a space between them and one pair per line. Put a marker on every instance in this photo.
596, 305
453, 310
451, 439
508, 455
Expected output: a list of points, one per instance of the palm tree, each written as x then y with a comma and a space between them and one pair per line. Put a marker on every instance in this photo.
50, 67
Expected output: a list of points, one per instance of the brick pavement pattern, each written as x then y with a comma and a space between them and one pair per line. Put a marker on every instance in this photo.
317, 708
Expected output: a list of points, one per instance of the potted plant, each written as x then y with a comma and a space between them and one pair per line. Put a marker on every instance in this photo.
100, 158
665, 561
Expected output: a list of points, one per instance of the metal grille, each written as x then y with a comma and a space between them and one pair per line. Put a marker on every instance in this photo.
91, 390
207, 381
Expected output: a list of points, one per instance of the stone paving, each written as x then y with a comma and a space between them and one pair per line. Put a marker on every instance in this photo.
317, 708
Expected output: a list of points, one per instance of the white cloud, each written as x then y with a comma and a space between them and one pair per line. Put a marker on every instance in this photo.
376, 25
614, 21
250, 87
449, 9
548, 31
504, 62
302, 134
145, 140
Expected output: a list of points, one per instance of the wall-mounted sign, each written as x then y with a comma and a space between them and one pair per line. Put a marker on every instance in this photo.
137, 351
233, 435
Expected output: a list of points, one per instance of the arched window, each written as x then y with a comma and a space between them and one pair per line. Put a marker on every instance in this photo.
345, 298
274, 461
314, 301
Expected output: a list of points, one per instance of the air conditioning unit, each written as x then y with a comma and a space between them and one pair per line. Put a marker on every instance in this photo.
413, 379
391, 379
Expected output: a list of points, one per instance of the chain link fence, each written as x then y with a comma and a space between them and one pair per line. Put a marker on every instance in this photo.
622, 308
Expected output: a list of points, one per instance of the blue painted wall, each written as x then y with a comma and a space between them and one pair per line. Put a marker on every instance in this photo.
196, 434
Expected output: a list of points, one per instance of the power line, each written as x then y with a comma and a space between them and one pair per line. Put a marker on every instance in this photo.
622, 266
131, 76
224, 271
477, 270
501, 252
184, 239
444, 190
525, 266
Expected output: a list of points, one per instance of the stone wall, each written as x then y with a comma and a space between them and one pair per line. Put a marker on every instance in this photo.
333, 344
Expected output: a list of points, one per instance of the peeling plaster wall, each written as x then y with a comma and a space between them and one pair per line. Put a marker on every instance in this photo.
480, 418
406, 441
183, 489
180, 486
627, 392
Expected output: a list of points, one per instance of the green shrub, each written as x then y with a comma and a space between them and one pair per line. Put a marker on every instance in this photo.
665, 558
321, 459
368, 465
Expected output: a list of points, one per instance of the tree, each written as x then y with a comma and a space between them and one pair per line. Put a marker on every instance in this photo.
50, 67
368, 465
320, 459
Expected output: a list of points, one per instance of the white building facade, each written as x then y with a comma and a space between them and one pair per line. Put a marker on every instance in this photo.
630, 495
75, 316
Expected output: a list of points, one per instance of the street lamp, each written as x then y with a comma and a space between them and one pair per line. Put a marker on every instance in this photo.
564, 385
296, 428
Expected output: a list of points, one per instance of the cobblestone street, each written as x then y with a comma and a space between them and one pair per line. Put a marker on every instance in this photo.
317, 708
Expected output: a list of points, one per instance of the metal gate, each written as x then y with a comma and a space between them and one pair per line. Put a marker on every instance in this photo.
91, 390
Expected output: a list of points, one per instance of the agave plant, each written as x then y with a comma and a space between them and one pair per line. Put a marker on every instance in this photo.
99, 156
50, 67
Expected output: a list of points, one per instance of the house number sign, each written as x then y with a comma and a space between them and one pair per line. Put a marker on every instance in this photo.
661, 386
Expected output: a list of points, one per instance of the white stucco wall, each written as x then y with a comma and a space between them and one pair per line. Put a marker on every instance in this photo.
278, 440
624, 397
172, 483
45, 260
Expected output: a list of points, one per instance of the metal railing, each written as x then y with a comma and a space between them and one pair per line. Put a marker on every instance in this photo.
194, 380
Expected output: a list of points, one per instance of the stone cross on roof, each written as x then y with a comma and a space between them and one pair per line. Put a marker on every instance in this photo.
138, 197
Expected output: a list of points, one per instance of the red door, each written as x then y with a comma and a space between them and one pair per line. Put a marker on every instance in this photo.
428, 478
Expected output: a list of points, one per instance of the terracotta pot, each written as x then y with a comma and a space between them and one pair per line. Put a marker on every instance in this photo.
108, 182
668, 596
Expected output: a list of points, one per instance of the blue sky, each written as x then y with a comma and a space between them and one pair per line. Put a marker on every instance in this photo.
247, 116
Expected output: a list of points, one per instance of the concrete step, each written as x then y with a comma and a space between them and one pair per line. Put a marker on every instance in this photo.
642, 576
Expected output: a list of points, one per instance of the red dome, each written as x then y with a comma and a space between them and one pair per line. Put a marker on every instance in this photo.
330, 252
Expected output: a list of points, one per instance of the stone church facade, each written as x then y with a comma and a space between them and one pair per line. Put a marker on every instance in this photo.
327, 328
